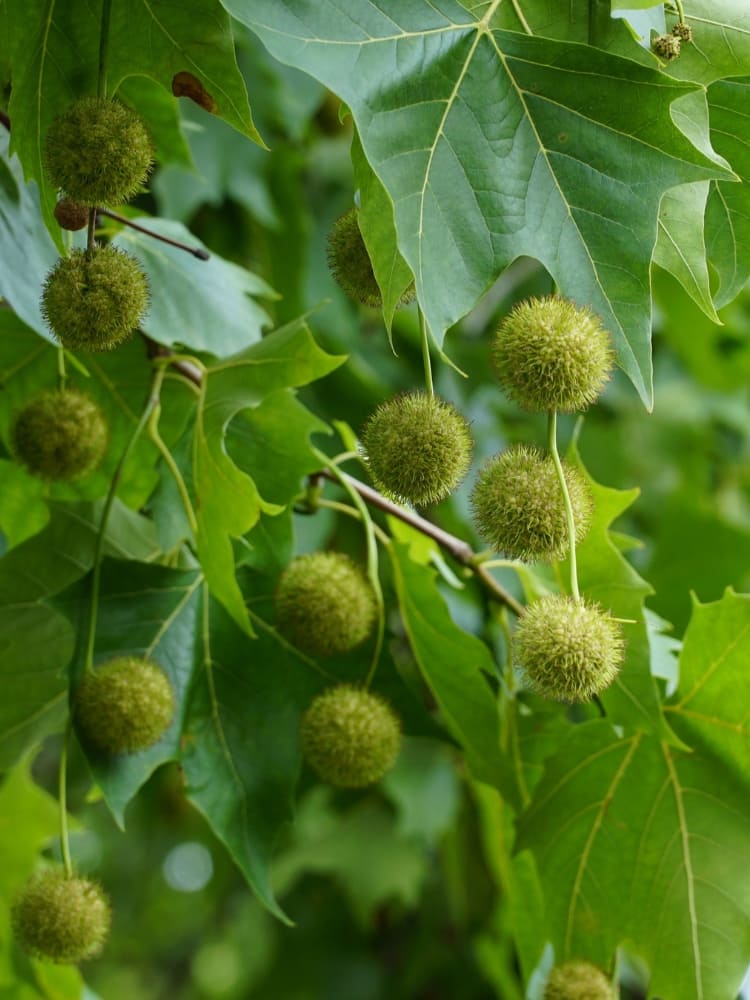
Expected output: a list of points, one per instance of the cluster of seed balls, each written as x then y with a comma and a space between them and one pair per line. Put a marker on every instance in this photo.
668, 47
98, 152
549, 355
125, 706
325, 606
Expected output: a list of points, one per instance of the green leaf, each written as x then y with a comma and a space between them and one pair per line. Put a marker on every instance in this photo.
336, 843
424, 787
30, 820
26, 249
280, 426
606, 576
119, 381
149, 611
709, 709
718, 556
379, 233
241, 749
228, 500
452, 663
721, 41
678, 828
36, 646
490, 149
680, 246
728, 211
38, 642
226, 166
203, 304
54, 48
161, 113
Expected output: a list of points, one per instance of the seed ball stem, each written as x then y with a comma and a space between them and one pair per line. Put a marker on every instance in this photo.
350, 737
124, 706
94, 299
324, 604
519, 507
98, 151
418, 448
60, 435
550, 354
568, 650
578, 980
60, 918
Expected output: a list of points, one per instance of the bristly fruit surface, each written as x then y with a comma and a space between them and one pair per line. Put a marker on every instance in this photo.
324, 604
350, 737
351, 266
568, 650
61, 919
519, 508
418, 448
98, 152
578, 980
124, 706
93, 300
550, 354
60, 434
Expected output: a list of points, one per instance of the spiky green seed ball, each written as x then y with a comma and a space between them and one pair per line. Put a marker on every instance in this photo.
519, 507
667, 47
578, 981
71, 215
350, 737
324, 604
59, 918
683, 31
418, 448
60, 434
351, 266
94, 299
550, 354
568, 651
98, 151
124, 706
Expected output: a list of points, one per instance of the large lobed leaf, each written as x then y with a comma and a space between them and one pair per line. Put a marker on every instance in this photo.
710, 708
454, 665
208, 305
641, 844
490, 148
228, 502
241, 747
728, 209
607, 577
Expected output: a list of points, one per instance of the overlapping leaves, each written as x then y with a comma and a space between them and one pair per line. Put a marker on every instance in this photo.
677, 828
489, 148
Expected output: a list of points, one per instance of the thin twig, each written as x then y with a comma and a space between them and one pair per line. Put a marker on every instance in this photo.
461, 551
198, 252
4, 120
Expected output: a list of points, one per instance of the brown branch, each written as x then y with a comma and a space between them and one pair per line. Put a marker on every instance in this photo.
156, 350
198, 252
4, 120
461, 551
